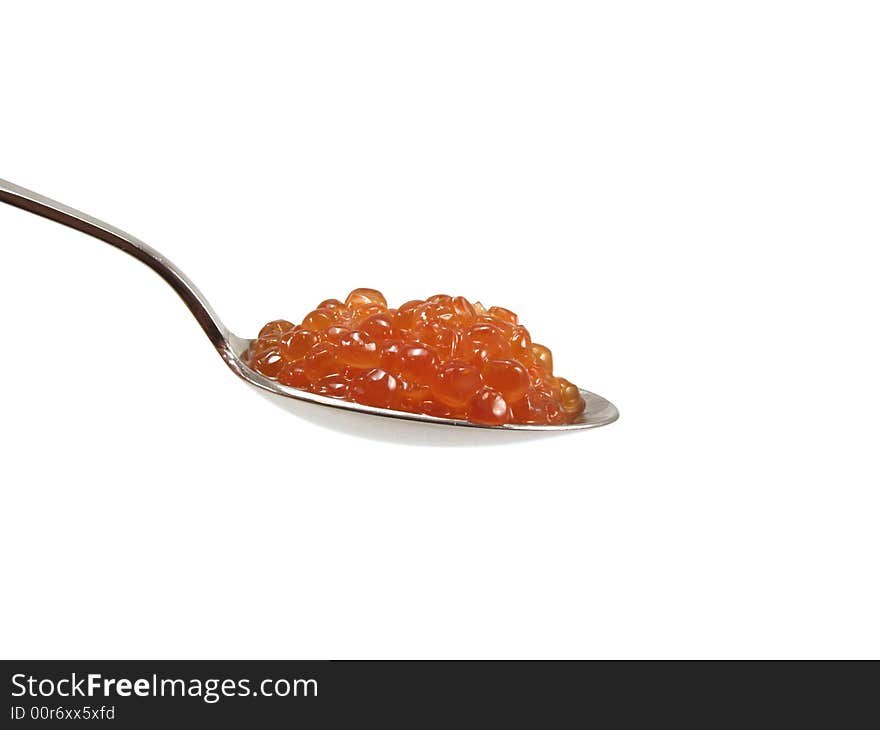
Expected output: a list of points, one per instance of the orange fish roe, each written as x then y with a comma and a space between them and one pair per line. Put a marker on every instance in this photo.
443, 356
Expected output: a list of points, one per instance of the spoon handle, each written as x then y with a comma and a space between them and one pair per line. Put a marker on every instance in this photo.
176, 279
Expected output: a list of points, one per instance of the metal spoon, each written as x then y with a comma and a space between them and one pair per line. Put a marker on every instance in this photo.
232, 348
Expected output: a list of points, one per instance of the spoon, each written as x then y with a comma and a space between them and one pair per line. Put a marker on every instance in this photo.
233, 349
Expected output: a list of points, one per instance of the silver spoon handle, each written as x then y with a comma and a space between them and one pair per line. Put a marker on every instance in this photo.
176, 279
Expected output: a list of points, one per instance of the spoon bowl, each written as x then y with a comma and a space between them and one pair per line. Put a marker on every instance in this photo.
316, 408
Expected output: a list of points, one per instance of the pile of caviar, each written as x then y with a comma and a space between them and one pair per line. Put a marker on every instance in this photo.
442, 356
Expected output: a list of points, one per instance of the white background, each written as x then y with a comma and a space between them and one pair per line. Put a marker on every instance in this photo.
680, 198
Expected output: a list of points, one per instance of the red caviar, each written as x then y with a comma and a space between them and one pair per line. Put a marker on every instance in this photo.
443, 356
